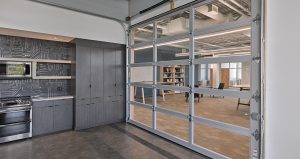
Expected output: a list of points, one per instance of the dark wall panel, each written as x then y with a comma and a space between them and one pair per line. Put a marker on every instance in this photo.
19, 47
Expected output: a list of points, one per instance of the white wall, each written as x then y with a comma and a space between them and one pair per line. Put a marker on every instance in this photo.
282, 80
36, 17
112, 8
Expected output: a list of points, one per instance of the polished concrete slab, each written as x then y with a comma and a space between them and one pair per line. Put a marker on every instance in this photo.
117, 141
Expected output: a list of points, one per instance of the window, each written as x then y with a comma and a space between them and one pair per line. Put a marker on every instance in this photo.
235, 72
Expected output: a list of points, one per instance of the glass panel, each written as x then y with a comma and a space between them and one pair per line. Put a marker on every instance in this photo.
142, 74
141, 55
224, 142
174, 25
173, 51
141, 115
211, 75
172, 125
173, 100
225, 43
174, 75
142, 34
224, 109
219, 12
141, 95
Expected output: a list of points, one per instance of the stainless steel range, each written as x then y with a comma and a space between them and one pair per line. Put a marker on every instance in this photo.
15, 118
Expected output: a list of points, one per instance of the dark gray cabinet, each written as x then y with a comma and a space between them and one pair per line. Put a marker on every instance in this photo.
42, 118
83, 67
63, 114
104, 67
96, 72
52, 116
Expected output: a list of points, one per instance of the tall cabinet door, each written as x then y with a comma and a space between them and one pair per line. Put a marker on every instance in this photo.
120, 72
83, 72
109, 73
96, 72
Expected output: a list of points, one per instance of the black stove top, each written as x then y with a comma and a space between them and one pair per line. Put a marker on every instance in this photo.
15, 101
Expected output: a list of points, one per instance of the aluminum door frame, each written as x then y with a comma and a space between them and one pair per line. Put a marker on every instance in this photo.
255, 94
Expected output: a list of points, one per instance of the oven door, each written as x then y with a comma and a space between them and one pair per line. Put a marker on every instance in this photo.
15, 122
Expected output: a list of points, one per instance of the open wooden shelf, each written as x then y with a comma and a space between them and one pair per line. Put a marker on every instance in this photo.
172, 75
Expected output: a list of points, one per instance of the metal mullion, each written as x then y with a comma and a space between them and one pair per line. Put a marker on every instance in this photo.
191, 74
172, 113
170, 87
224, 126
255, 102
227, 59
154, 90
144, 64
141, 84
173, 62
146, 106
225, 93
128, 76
224, 27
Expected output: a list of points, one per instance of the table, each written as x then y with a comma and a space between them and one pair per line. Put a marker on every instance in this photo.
245, 87
143, 91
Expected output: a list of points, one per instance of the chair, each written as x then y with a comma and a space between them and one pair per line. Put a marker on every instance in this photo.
220, 87
196, 95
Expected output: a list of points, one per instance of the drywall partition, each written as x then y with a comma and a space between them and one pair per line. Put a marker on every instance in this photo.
112, 8
282, 106
37, 17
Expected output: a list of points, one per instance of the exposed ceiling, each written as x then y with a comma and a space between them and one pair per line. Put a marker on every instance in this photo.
205, 16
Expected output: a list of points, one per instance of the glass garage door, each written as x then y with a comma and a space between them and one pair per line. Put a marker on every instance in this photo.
193, 77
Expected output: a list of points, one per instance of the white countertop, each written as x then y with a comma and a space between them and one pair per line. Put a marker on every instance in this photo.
51, 98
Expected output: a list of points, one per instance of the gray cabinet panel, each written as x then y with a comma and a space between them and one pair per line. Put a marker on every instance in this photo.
121, 110
96, 72
120, 73
109, 73
81, 114
99, 109
83, 69
63, 115
114, 111
42, 119
92, 115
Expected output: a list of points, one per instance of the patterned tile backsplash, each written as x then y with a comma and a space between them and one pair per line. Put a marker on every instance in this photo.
18, 47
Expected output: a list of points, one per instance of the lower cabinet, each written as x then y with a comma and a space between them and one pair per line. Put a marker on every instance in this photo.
52, 116
96, 112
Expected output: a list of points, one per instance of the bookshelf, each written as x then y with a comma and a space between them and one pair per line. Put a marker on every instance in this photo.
172, 75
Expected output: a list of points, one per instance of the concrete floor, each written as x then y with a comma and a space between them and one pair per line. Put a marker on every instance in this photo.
220, 109
116, 141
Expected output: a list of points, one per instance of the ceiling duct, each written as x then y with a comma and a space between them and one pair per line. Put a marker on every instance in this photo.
176, 26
